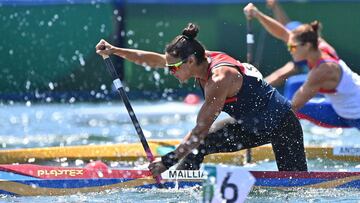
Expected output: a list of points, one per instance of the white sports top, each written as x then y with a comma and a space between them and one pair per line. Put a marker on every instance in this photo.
346, 99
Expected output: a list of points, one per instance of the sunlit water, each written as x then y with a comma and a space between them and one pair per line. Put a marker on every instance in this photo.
39, 125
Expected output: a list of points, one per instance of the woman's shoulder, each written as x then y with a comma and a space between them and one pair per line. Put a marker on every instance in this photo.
325, 71
207, 52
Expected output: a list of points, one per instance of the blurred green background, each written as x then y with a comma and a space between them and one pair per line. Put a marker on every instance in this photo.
48, 49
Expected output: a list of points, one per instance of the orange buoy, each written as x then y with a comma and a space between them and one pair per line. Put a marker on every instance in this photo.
192, 99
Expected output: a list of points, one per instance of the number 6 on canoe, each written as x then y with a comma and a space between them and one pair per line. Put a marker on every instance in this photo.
118, 84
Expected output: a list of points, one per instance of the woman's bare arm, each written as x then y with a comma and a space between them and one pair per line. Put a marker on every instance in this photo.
271, 25
278, 77
144, 58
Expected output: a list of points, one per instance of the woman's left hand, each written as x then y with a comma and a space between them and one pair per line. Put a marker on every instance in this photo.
104, 48
251, 11
157, 167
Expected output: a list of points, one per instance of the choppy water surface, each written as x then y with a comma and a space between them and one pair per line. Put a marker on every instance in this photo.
39, 125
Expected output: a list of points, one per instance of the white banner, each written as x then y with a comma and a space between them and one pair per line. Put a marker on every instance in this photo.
183, 174
346, 151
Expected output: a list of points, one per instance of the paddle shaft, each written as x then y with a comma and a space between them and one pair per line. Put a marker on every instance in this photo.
249, 42
249, 59
118, 85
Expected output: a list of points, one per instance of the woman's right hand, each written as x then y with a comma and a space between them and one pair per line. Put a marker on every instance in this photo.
271, 3
250, 11
104, 48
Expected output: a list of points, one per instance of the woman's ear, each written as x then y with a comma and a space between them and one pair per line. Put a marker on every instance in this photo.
308, 45
192, 60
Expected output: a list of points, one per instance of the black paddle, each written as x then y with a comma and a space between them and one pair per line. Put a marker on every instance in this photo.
249, 59
118, 85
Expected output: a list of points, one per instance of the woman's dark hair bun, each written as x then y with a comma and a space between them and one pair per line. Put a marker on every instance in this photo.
191, 31
316, 26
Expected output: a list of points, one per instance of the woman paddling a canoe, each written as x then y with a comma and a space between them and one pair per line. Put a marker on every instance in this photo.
259, 114
328, 73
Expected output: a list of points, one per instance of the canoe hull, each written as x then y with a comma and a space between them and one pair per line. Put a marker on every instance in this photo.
134, 152
36, 180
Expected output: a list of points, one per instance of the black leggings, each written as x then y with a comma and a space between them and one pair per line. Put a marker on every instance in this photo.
228, 136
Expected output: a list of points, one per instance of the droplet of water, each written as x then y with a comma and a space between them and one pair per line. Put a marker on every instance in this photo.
79, 162
28, 103
195, 151
72, 100
81, 60
100, 174
26, 141
156, 76
65, 164
28, 83
130, 32
102, 28
51, 86
31, 160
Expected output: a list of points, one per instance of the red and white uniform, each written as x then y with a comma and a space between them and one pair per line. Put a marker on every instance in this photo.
345, 98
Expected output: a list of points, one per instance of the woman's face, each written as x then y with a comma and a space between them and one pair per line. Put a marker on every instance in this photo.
179, 68
298, 50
